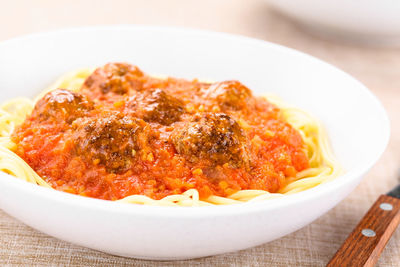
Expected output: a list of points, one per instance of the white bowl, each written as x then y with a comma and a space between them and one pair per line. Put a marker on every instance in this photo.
367, 21
356, 122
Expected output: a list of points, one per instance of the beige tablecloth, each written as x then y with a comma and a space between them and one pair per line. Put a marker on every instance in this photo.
378, 68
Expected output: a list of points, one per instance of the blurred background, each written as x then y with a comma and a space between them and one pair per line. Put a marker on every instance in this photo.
368, 58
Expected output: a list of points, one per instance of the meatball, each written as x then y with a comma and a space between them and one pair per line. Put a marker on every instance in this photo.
118, 78
229, 94
112, 140
157, 106
211, 136
62, 104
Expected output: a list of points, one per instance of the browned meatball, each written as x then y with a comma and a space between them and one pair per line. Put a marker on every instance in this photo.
113, 140
213, 136
118, 78
62, 104
157, 106
229, 94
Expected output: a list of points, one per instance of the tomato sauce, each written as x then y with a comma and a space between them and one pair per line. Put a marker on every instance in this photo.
125, 133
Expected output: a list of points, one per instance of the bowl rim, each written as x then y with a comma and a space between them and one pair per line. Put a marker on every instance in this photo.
217, 210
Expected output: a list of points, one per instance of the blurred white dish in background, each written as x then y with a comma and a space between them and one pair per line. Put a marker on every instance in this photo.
355, 120
367, 21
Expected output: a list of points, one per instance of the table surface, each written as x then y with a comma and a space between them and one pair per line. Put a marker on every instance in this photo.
314, 245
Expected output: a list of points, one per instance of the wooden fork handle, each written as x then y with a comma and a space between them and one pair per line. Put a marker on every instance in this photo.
366, 242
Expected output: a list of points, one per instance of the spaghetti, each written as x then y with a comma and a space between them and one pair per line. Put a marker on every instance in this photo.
322, 165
